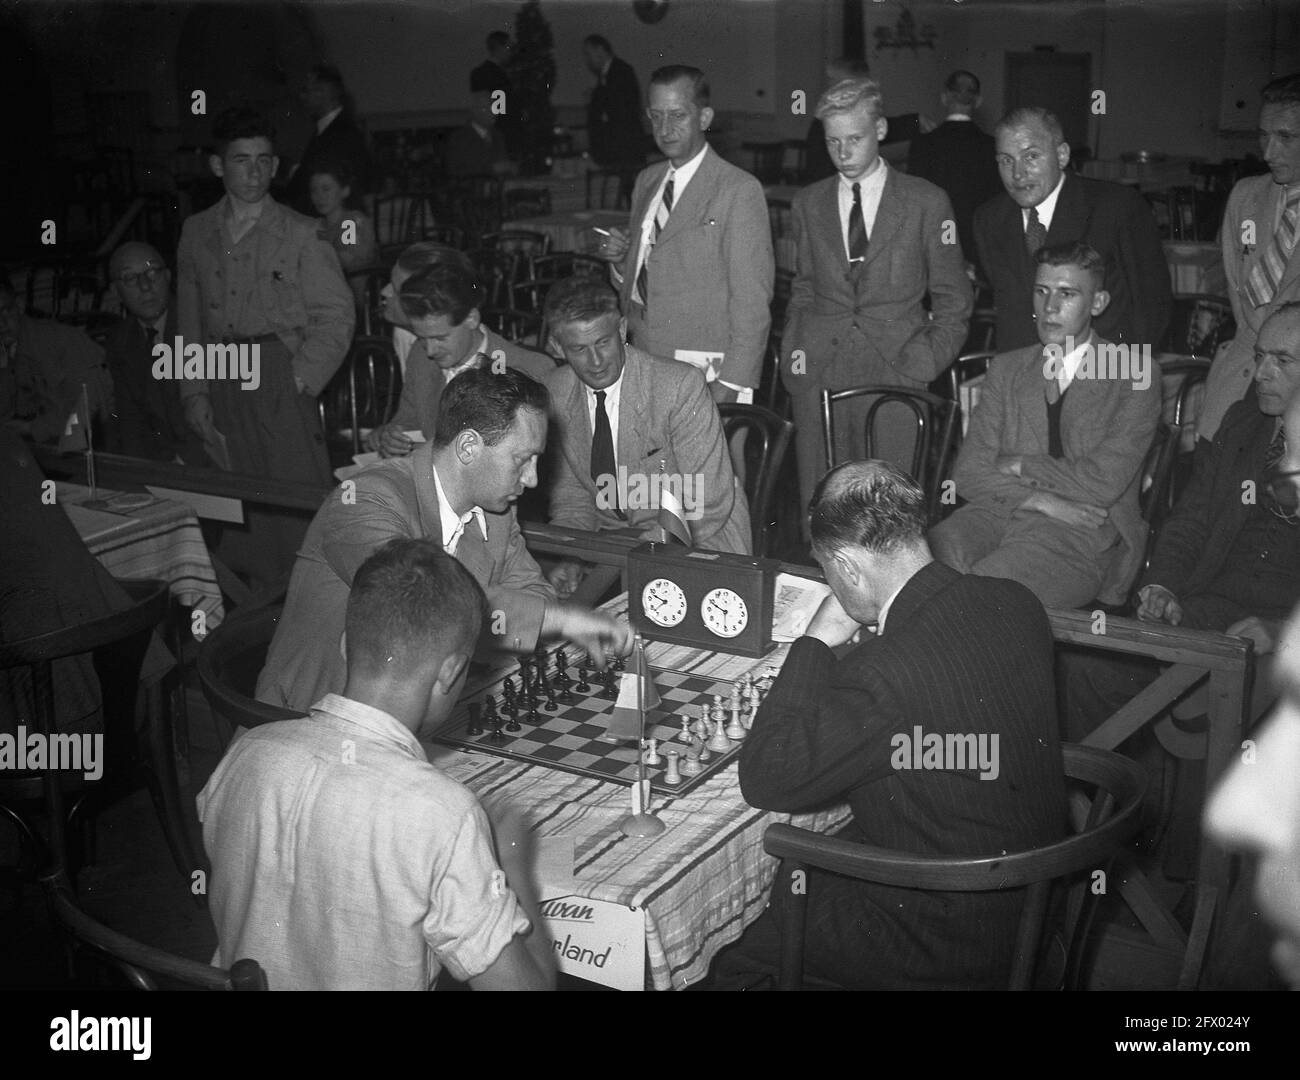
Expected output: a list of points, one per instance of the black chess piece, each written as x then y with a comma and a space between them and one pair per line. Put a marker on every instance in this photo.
562, 679
566, 696
513, 725
611, 684
508, 688
475, 725
496, 735
551, 704
534, 717
489, 709
583, 686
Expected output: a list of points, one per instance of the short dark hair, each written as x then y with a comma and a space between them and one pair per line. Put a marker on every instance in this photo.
1033, 114
411, 602
964, 86
496, 39
869, 504
338, 168
1075, 253
579, 299
671, 73
1284, 90
487, 402
598, 41
328, 74
425, 253
447, 287
240, 122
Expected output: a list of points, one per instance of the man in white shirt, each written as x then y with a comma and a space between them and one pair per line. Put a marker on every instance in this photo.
459, 488
694, 267
1052, 464
335, 137
872, 244
342, 859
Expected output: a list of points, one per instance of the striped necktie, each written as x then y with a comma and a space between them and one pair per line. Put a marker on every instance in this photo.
857, 229
661, 219
1261, 285
1035, 233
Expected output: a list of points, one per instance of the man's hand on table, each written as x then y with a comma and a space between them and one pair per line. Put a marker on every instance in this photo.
600, 634
1263, 632
832, 625
198, 415
1158, 604
389, 441
1077, 515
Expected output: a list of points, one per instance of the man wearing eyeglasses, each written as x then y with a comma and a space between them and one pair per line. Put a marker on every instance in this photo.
695, 268
1228, 558
148, 420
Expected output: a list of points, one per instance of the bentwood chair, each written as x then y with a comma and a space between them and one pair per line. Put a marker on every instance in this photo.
140, 965
362, 394
762, 454
230, 660
1108, 818
117, 644
935, 417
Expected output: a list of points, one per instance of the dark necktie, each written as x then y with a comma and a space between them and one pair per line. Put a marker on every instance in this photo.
857, 229
150, 337
1035, 233
602, 450
661, 219
1055, 396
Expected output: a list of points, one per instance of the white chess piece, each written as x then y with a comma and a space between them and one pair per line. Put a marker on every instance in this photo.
673, 773
650, 755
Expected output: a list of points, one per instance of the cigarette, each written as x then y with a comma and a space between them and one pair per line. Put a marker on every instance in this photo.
603, 232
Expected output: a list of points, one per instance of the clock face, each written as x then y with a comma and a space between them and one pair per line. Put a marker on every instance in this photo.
724, 613
664, 602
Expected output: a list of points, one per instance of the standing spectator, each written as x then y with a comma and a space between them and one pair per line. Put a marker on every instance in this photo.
336, 138
491, 76
615, 137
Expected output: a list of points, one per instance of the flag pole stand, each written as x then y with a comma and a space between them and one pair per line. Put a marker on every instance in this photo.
640, 822
94, 502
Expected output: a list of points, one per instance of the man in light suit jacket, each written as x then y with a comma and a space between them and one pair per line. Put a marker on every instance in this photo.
1261, 256
440, 305
1052, 463
658, 423
866, 260
695, 267
459, 488
1044, 205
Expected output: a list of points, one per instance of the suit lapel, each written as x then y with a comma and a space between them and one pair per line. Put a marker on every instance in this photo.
632, 405
888, 216
638, 217
689, 209
1070, 219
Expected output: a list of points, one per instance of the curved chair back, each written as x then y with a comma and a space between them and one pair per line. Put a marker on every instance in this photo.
137, 962
766, 441
363, 393
1114, 815
935, 418
230, 659
117, 642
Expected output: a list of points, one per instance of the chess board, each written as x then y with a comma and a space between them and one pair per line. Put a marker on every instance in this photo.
570, 738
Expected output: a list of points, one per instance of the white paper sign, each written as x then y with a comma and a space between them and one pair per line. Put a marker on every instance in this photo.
597, 940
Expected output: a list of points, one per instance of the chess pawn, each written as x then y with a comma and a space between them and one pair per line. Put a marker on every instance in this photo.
651, 753
691, 766
718, 741
583, 686
673, 774
736, 730
685, 734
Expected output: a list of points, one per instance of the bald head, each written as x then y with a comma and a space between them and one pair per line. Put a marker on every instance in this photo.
142, 280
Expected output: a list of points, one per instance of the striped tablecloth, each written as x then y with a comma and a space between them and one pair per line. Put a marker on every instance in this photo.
156, 539
700, 882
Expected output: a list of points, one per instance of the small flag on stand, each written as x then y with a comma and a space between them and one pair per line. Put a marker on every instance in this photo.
627, 721
76, 432
672, 515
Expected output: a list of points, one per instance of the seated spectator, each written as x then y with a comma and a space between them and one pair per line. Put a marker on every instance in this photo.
148, 420
622, 419
958, 658
1227, 558
478, 148
440, 305
1256, 806
460, 488
1051, 466
350, 232
44, 367
370, 869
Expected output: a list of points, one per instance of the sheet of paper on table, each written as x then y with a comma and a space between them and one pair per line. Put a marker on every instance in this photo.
796, 602
211, 507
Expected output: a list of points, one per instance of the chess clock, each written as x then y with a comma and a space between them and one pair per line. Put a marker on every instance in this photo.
705, 599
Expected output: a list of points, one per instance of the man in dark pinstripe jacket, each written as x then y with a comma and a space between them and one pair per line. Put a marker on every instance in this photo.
938, 729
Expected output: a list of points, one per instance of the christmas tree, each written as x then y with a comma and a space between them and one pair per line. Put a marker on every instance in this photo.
532, 71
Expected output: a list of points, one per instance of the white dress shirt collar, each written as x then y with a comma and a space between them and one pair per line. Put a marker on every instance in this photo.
452, 525
884, 609
1070, 363
327, 119
1046, 209
682, 177
379, 723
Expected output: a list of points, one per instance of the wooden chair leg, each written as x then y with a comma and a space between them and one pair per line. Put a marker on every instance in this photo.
794, 915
